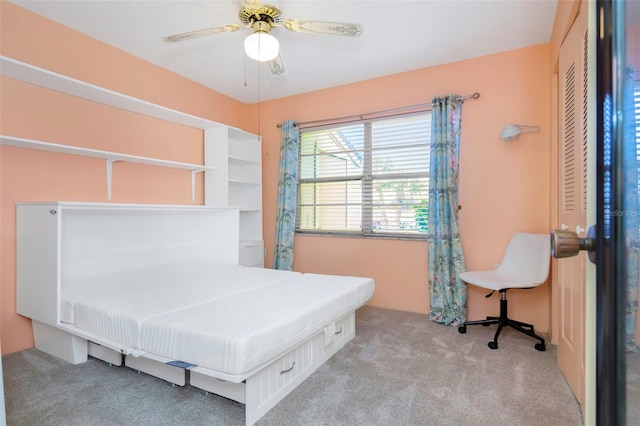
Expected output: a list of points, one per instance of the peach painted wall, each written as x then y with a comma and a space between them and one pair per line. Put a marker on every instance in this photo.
38, 41
504, 187
33, 112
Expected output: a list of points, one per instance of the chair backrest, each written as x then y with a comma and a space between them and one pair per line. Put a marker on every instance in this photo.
527, 256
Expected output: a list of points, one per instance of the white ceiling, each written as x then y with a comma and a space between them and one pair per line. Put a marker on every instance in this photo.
397, 36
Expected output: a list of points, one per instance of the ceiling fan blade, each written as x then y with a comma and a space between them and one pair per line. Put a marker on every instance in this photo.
276, 67
318, 27
251, 4
200, 33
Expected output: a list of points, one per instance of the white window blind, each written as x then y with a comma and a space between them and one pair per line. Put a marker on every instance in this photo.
369, 178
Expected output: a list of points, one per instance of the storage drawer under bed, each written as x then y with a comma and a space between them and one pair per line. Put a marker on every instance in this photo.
264, 389
337, 334
270, 380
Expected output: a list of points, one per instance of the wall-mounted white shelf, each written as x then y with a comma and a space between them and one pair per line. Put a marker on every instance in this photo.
96, 153
240, 160
244, 181
61, 83
110, 157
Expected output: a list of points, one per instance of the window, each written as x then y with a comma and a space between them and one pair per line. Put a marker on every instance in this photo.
365, 179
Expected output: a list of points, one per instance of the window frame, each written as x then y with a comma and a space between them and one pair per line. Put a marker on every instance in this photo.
367, 178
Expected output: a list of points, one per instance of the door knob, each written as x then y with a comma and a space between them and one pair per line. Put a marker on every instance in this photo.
567, 243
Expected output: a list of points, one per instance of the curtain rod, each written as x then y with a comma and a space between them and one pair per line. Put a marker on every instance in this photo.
387, 112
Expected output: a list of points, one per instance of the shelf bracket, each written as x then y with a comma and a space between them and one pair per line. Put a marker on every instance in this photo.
110, 162
193, 184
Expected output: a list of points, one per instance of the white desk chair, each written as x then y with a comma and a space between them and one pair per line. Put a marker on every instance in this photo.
525, 265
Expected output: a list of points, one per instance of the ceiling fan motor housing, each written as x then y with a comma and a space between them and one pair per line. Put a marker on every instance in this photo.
265, 13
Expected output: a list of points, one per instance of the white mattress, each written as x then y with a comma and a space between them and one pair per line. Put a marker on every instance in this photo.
242, 331
114, 306
227, 318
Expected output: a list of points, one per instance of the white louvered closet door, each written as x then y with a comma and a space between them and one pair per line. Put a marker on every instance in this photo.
572, 205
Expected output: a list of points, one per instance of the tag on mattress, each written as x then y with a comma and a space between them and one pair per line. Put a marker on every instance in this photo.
181, 364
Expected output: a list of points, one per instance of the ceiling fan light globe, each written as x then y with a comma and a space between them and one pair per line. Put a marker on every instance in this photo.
261, 46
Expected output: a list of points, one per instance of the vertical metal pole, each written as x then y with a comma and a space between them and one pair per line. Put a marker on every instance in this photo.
610, 362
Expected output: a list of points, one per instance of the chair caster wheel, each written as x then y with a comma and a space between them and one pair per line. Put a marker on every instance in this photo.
486, 325
462, 329
540, 347
492, 345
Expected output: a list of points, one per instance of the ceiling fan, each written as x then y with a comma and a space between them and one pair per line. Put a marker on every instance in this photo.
262, 46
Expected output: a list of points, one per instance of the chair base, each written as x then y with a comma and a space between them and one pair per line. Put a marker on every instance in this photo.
504, 321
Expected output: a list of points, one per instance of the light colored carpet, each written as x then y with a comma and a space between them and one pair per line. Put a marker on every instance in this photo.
401, 369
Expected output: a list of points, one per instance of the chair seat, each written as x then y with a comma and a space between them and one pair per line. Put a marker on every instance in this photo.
495, 280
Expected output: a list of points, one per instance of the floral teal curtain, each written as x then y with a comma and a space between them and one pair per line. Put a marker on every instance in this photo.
631, 210
287, 196
448, 294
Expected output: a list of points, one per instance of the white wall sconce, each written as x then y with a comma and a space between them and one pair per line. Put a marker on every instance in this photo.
512, 131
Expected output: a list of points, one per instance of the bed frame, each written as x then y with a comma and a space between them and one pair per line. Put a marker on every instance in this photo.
60, 241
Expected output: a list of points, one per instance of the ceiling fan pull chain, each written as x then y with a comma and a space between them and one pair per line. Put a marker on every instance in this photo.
244, 65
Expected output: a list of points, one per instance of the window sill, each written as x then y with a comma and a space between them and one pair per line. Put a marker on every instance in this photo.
362, 236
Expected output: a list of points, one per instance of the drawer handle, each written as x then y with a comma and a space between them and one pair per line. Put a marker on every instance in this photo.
288, 369
339, 331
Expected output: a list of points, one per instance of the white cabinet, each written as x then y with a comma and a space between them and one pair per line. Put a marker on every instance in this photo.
236, 181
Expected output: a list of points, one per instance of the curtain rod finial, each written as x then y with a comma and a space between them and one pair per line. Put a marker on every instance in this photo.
279, 125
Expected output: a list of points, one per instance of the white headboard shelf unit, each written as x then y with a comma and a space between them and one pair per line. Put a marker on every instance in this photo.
244, 159
62, 241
